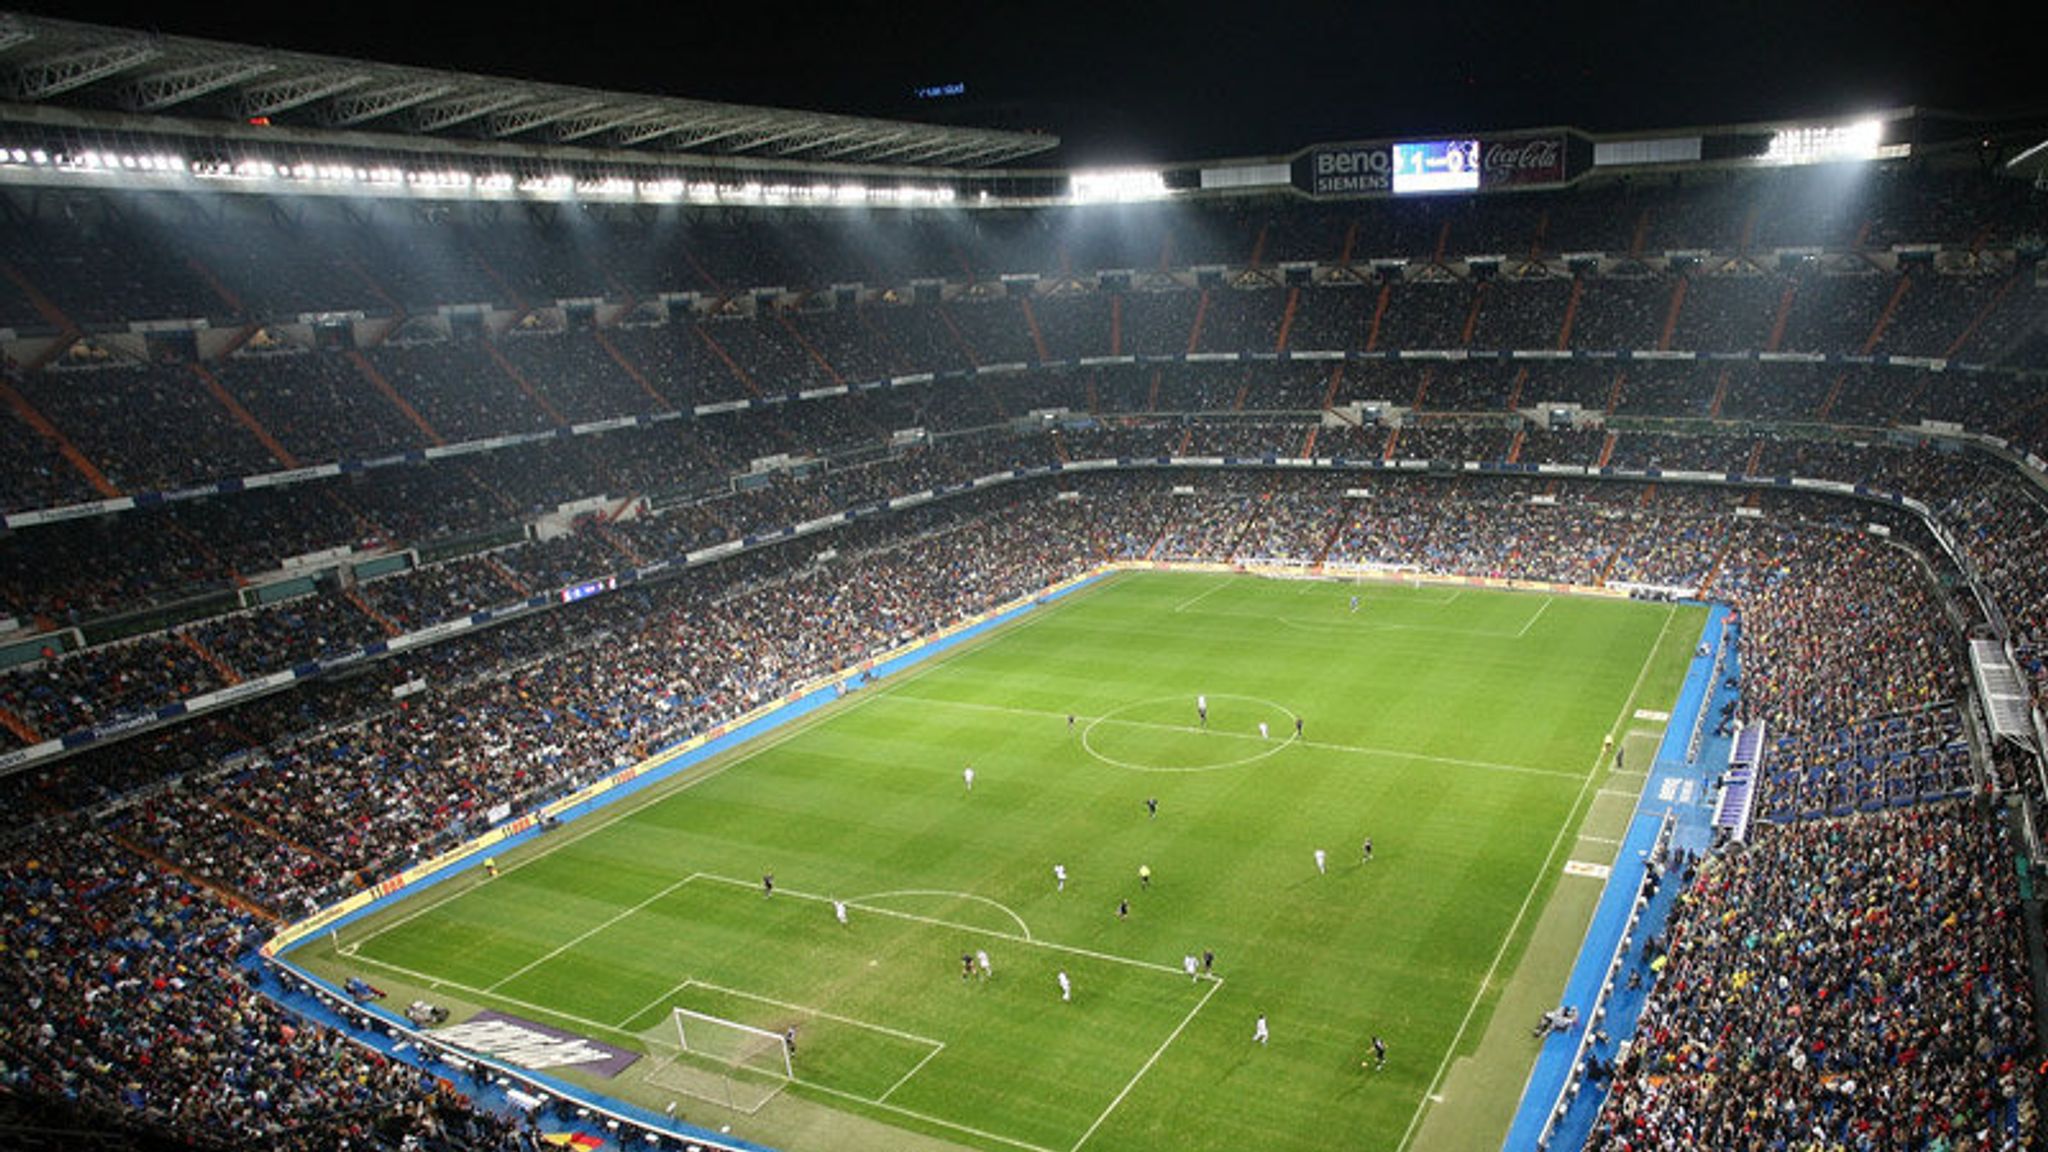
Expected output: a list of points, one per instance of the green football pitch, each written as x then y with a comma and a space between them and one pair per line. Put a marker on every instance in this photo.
1461, 730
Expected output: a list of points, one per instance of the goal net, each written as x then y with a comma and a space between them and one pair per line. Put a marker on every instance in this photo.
724, 1062
733, 1044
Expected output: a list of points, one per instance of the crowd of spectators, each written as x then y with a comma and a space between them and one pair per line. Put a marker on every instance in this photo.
351, 783
1999, 514
164, 427
124, 1002
1891, 760
1852, 978
325, 404
1854, 983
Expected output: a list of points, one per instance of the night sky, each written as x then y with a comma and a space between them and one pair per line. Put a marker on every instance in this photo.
1198, 79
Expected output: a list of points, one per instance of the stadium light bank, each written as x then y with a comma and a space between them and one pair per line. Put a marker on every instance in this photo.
1117, 186
1861, 139
106, 166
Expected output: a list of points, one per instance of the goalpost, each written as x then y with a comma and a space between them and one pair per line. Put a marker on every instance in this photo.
724, 1062
729, 1042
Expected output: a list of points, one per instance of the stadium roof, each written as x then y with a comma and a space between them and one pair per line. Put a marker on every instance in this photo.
60, 63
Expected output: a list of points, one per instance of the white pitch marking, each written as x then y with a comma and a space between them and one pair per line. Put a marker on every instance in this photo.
1218, 733
814, 1012
1371, 626
924, 1116
552, 1014
620, 809
860, 901
1540, 610
652, 1004
979, 931
1197, 598
1557, 842
586, 934
914, 1069
1147, 1066
538, 1010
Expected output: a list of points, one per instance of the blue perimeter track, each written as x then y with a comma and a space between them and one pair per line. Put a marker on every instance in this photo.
1680, 787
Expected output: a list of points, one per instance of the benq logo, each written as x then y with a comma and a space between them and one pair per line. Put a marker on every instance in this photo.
1354, 161
1351, 171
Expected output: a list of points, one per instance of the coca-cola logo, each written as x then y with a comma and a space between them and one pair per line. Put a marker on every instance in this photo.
1543, 156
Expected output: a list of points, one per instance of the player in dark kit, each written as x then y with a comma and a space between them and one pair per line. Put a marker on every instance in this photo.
966, 965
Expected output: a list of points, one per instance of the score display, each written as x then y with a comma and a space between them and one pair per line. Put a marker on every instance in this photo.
575, 592
1436, 166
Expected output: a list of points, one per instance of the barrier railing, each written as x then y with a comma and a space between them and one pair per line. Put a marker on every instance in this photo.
1699, 720
622, 1126
1598, 1013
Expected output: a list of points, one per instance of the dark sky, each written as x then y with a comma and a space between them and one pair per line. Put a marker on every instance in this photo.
1150, 81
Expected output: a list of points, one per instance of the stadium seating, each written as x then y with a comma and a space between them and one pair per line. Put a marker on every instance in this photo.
138, 871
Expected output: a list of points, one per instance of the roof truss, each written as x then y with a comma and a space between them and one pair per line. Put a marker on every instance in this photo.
56, 60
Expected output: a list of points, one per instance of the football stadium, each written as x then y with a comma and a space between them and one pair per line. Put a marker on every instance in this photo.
545, 615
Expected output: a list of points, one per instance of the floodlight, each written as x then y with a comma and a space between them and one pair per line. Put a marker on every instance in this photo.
1859, 140
1117, 186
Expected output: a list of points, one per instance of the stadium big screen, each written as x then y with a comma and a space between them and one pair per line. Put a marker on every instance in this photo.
1436, 166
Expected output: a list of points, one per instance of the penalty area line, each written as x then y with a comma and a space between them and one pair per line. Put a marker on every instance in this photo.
914, 1070
586, 934
1149, 1062
816, 1013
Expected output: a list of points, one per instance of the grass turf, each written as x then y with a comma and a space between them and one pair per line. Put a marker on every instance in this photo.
1460, 729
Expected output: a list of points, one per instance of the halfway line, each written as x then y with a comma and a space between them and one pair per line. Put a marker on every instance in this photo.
1223, 734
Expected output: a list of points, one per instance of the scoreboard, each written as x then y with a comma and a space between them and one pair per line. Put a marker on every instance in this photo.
1461, 164
1436, 166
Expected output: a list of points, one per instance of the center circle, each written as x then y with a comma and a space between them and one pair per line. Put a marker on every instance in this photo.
1168, 733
